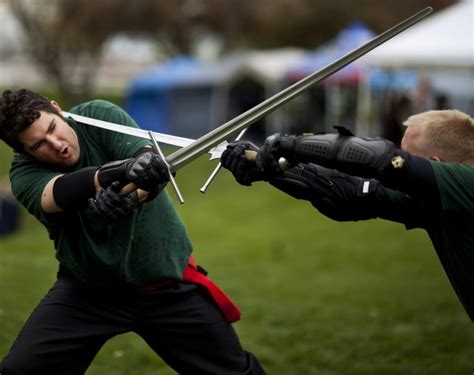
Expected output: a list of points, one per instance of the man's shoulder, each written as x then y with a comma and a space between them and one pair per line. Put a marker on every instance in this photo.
453, 170
104, 110
28, 179
20, 161
455, 184
94, 108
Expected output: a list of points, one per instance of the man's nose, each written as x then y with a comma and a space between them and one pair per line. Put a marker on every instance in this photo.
54, 142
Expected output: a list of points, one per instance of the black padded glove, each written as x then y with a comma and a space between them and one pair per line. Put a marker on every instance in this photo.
336, 195
146, 171
245, 171
153, 193
275, 147
109, 204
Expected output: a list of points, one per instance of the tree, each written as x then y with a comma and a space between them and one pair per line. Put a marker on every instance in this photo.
64, 41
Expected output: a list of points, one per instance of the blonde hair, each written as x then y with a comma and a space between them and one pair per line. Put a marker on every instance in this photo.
447, 133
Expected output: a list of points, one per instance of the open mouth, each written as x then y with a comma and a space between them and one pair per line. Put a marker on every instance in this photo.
65, 152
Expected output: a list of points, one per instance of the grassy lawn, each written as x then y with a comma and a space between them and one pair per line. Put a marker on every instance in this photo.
318, 297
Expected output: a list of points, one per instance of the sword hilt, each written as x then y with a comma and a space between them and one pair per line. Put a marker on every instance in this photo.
170, 175
282, 162
219, 165
127, 189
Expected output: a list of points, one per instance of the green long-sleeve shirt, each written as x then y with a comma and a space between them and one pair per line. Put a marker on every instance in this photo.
149, 245
449, 223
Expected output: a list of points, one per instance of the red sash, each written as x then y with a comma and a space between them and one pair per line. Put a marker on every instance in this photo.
228, 308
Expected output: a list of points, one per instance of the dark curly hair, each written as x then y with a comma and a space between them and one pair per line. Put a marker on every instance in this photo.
18, 110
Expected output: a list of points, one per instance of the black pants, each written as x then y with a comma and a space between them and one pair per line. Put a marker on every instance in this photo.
179, 322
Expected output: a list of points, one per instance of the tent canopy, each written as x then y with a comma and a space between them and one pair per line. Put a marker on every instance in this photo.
264, 66
149, 95
186, 97
443, 40
166, 75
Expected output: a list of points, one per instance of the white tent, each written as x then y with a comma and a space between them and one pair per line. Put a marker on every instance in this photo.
443, 40
439, 51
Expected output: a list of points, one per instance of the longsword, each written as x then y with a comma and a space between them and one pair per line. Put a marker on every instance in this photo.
193, 149
185, 155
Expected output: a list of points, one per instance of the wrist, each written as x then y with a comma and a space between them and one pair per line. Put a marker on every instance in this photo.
113, 171
287, 144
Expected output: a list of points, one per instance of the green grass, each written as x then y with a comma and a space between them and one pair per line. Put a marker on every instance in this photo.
5, 159
318, 297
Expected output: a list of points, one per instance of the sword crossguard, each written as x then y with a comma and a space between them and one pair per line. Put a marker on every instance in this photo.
218, 166
172, 180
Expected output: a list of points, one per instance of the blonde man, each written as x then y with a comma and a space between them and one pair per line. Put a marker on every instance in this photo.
428, 183
446, 135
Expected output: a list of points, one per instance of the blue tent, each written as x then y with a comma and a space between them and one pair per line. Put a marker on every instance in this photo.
149, 96
185, 97
198, 103
188, 98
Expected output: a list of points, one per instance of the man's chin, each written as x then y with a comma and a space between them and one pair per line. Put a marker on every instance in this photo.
64, 163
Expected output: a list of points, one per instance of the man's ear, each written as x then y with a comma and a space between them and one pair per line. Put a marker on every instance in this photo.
56, 106
435, 158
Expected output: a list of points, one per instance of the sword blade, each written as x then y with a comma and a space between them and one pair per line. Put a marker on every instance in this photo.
137, 132
185, 155
168, 139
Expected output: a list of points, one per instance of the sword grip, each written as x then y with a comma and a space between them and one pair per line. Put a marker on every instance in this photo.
127, 189
252, 155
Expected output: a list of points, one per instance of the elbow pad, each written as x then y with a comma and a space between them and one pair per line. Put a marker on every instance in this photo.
72, 190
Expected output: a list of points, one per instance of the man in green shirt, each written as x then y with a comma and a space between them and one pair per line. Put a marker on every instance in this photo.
125, 259
428, 183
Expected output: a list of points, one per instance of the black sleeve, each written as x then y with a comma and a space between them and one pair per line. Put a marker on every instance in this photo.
417, 179
336, 195
343, 197
404, 209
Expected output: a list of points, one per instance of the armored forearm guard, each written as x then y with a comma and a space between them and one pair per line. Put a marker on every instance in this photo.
365, 157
